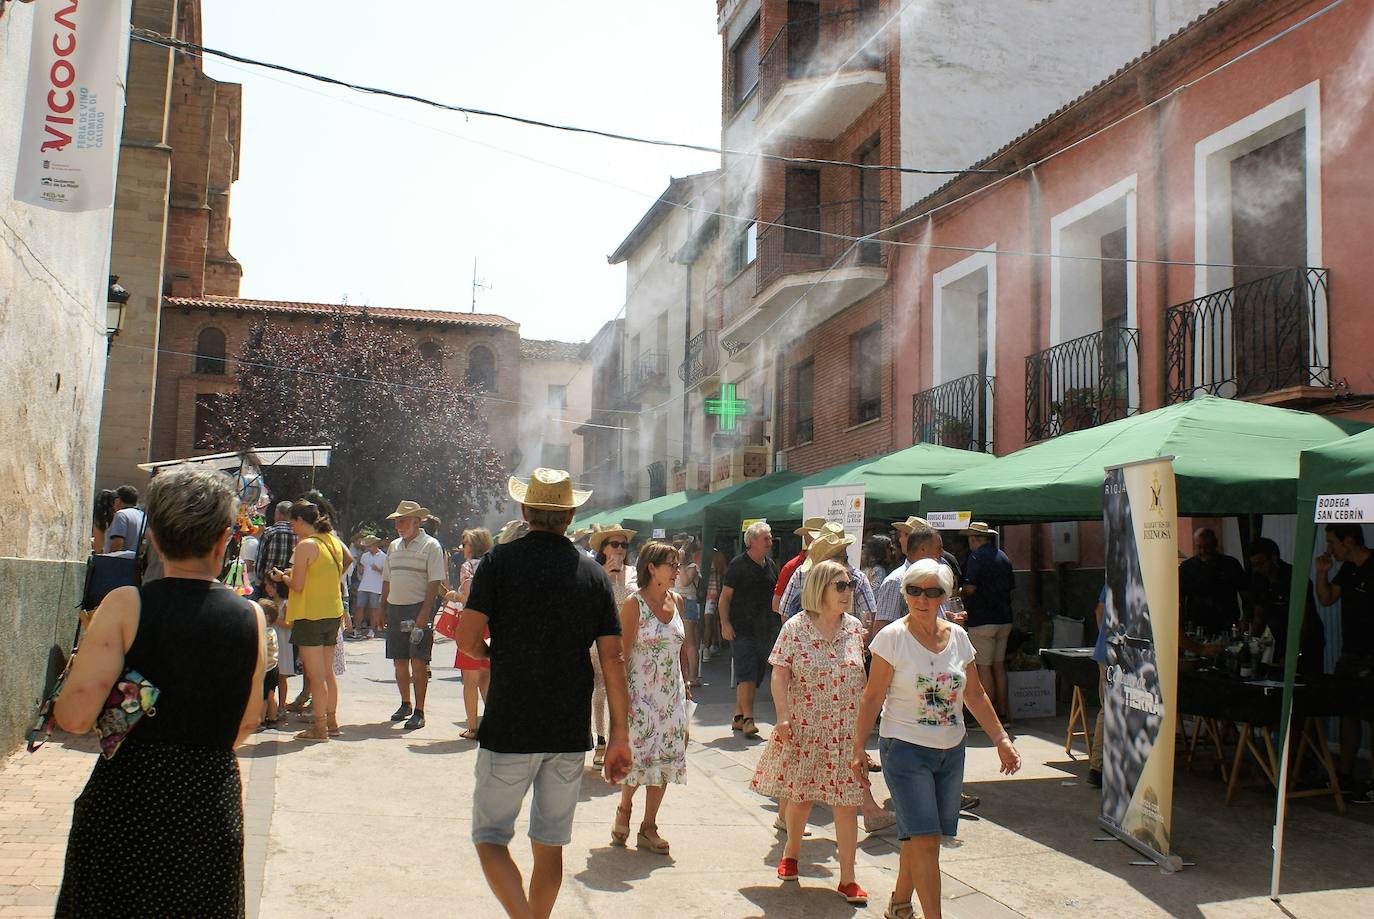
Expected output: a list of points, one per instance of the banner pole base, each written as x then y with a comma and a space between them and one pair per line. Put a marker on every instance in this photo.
1169, 864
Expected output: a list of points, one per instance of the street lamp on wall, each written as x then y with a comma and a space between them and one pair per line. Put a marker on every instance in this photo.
115, 299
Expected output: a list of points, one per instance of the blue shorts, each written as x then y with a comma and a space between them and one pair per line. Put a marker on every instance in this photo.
369, 600
691, 610
502, 782
925, 783
750, 657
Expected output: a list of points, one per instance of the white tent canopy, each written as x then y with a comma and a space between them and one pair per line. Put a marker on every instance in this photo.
259, 456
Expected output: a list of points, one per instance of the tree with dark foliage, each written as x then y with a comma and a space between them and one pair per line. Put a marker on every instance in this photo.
400, 426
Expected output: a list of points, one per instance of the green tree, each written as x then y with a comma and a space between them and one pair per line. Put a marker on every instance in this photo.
400, 426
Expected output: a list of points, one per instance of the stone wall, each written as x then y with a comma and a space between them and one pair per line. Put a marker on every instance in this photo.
53, 285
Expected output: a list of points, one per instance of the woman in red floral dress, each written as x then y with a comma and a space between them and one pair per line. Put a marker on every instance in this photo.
818, 679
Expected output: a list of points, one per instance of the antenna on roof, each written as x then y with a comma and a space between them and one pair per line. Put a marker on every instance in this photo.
477, 284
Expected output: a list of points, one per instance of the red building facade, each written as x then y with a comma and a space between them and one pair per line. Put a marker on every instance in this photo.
1194, 224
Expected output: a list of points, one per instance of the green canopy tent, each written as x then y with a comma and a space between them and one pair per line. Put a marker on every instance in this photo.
1343, 467
1230, 458
640, 517
892, 481
713, 511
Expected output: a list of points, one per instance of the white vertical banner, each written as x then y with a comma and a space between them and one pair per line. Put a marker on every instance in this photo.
74, 105
842, 504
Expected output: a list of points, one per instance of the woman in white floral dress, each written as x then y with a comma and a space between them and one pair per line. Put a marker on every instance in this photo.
652, 631
818, 680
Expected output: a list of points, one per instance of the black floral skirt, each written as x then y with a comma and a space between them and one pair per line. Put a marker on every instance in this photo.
158, 831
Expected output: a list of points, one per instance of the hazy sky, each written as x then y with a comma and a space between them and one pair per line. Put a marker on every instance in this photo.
388, 202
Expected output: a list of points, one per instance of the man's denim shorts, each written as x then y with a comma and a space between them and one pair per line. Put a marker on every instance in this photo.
502, 781
925, 783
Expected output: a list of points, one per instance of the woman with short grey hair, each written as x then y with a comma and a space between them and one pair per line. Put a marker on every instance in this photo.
922, 676
172, 787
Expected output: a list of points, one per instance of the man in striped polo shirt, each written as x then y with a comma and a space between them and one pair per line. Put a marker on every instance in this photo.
411, 575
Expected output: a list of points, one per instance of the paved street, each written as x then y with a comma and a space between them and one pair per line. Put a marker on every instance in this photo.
376, 824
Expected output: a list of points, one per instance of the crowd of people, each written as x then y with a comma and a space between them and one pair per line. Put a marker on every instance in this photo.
626, 650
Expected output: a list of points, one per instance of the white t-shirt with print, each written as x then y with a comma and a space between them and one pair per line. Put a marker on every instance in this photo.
925, 701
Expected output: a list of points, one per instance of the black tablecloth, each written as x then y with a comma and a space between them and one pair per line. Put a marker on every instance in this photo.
1073, 664
1213, 694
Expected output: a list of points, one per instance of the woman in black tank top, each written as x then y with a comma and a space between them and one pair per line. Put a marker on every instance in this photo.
158, 829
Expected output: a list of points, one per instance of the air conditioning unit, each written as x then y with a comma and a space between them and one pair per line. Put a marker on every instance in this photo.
780, 461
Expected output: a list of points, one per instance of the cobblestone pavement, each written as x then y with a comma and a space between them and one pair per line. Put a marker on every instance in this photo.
376, 824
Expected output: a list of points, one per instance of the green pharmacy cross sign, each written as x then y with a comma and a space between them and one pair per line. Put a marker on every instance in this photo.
727, 407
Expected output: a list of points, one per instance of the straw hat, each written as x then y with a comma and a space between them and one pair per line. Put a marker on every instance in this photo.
548, 489
978, 528
604, 533
810, 526
367, 542
409, 509
910, 524
831, 537
583, 533
512, 531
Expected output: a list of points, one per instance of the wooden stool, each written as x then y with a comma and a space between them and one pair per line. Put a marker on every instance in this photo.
1078, 714
1268, 762
1209, 728
1314, 738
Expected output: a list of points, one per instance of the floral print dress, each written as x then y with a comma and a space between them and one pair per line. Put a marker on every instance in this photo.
658, 701
825, 688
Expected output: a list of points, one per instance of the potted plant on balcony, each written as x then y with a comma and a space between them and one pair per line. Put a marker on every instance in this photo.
952, 430
1076, 409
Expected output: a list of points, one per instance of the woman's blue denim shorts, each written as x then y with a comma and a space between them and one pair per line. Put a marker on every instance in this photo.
691, 610
925, 784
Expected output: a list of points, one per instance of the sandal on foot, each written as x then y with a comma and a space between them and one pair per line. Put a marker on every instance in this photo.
749, 728
318, 732
897, 910
737, 723
649, 839
787, 869
469, 734
620, 829
332, 728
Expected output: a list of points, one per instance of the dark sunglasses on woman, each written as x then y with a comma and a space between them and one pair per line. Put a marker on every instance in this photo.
616, 544
842, 586
933, 593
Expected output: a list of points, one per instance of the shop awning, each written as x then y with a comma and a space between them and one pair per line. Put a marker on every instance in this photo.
1230, 458
639, 516
892, 482
720, 510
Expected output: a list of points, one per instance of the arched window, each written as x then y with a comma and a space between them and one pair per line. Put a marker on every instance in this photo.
430, 351
482, 367
210, 351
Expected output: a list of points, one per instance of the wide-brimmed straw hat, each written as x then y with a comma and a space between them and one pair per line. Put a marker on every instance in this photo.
512, 531
810, 526
830, 537
367, 542
582, 533
409, 509
911, 523
978, 528
549, 490
602, 534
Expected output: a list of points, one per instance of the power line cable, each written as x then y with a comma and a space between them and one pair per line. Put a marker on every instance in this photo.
175, 44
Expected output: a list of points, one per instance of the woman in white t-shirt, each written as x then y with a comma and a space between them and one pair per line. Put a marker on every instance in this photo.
922, 676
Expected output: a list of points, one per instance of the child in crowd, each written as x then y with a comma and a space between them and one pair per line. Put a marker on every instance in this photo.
286, 651
271, 682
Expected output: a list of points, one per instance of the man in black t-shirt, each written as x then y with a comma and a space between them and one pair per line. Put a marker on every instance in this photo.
1209, 586
545, 603
1353, 586
747, 619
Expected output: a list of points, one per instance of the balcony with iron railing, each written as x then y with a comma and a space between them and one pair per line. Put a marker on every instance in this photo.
648, 371
703, 358
818, 73
1265, 340
1082, 383
955, 414
658, 478
807, 257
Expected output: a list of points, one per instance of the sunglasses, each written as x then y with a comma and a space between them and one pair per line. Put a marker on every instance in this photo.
843, 586
615, 544
933, 593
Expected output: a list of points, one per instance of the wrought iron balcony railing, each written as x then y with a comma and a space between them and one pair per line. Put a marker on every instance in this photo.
817, 46
658, 478
812, 238
1255, 338
955, 414
650, 369
1082, 383
703, 357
